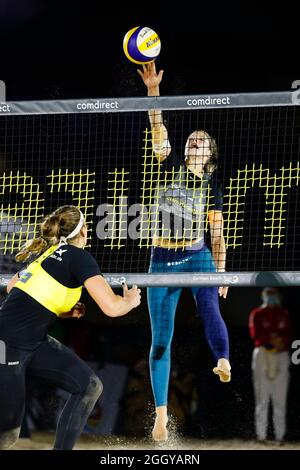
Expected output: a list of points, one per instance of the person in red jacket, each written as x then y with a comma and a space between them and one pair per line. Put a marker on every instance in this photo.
270, 331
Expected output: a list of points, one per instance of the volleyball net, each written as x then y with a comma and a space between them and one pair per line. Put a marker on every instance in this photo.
98, 154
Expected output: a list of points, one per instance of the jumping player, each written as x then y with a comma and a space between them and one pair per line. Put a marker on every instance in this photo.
184, 197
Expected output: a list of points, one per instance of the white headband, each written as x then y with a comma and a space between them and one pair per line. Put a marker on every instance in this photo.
76, 229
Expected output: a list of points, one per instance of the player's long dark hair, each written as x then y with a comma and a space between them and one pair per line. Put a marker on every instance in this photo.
58, 224
212, 163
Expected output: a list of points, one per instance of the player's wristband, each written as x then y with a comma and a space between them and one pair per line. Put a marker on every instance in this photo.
158, 148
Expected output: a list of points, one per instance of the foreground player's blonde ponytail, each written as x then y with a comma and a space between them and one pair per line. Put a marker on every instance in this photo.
54, 226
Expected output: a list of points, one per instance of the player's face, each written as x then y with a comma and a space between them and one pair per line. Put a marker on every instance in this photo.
197, 149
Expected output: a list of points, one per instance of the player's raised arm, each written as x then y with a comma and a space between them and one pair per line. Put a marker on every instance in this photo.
152, 79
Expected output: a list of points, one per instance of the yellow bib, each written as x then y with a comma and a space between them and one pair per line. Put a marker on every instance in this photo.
46, 290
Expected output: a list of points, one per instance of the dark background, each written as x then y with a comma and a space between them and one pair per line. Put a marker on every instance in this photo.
74, 49
61, 49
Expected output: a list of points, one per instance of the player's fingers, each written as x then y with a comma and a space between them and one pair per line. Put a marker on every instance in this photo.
135, 287
160, 75
144, 68
125, 288
76, 313
140, 72
222, 292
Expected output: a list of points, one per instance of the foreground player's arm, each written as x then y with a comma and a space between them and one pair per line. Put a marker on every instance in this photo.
160, 141
111, 304
218, 247
12, 282
84, 268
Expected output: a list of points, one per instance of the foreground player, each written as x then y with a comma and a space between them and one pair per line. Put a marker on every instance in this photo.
52, 285
188, 190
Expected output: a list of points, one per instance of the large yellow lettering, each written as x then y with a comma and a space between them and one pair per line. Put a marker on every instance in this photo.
19, 221
80, 184
275, 186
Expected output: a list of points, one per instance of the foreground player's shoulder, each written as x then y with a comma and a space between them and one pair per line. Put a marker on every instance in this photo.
80, 254
82, 264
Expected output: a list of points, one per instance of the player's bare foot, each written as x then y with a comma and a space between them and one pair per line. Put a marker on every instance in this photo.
160, 432
223, 370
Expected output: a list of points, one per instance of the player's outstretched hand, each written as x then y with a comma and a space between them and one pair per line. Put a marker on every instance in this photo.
133, 295
223, 291
149, 75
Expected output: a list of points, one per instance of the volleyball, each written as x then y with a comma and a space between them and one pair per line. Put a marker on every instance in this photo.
141, 45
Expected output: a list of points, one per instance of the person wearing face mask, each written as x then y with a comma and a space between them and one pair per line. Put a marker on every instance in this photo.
270, 330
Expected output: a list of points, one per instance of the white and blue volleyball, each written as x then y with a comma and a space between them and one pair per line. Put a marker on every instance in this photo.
141, 45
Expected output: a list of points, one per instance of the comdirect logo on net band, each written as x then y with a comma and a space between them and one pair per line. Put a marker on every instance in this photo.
209, 101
